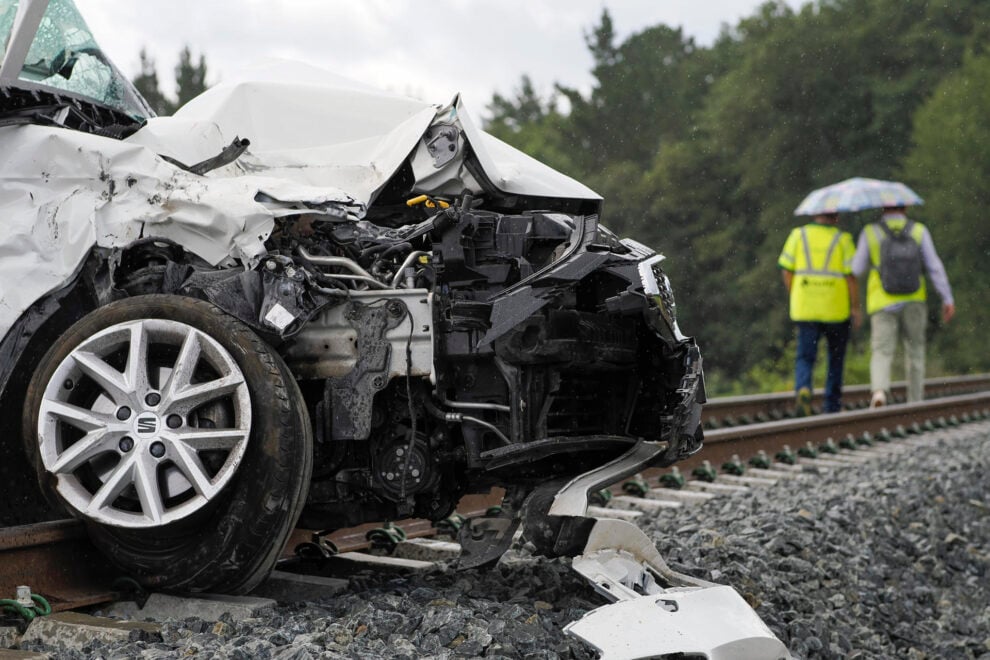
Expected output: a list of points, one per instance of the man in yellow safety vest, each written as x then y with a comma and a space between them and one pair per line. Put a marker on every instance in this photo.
816, 264
903, 311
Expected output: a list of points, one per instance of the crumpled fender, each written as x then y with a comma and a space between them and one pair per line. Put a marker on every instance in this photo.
64, 192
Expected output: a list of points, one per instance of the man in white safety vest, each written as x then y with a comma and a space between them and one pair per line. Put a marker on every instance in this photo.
816, 265
896, 295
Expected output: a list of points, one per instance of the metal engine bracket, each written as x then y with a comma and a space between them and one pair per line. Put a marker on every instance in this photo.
484, 540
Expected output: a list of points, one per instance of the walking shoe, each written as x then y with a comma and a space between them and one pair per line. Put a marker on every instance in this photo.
879, 399
803, 406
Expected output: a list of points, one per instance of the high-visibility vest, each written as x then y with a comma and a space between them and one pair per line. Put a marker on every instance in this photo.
876, 298
820, 257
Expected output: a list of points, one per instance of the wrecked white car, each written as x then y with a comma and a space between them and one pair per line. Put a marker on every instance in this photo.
304, 301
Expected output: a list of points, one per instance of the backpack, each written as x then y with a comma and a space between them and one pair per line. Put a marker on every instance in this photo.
900, 260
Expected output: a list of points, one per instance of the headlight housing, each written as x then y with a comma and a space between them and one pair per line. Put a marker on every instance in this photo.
656, 286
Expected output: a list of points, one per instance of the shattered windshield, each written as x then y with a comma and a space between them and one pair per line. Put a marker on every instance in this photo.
8, 10
64, 55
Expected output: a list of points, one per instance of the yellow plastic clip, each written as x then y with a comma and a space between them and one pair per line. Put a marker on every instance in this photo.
428, 201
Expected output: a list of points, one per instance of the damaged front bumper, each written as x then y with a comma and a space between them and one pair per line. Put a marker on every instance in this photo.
656, 611
681, 428
711, 622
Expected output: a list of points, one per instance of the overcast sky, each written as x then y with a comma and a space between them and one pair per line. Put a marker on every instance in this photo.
429, 49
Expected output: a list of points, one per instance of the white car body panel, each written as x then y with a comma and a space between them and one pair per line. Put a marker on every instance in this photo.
63, 192
332, 144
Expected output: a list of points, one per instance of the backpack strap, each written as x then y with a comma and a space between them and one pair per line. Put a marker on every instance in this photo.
904, 231
879, 228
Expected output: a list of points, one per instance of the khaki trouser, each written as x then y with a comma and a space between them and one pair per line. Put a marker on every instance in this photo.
910, 321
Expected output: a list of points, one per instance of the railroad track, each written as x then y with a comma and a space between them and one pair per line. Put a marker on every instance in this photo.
732, 411
57, 561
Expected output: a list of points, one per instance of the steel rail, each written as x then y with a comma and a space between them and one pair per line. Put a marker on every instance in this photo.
721, 444
57, 561
750, 408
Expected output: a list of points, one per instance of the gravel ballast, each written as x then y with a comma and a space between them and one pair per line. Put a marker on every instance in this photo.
886, 559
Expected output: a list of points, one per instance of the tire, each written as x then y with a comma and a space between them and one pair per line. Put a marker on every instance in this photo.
189, 473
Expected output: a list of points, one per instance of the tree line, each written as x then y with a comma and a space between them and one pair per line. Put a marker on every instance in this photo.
190, 81
703, 152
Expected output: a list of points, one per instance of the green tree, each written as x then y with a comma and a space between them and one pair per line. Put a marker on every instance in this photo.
190, 81
526, 107
950, 163
146, 83
646, 91
531, 123
190, 78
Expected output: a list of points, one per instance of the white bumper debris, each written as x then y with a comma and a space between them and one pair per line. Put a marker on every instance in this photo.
657, 611
712, 622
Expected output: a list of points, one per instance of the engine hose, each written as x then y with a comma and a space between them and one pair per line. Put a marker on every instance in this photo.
398, 248
410, 259
433, 410
460, 418
491, 427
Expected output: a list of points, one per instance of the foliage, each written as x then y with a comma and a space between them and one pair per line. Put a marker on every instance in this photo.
190, 78
532, 124
704, 152
776, 374
950, 157
146, 83
190, 81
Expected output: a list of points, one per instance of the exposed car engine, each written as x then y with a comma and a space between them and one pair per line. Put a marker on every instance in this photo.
543, 356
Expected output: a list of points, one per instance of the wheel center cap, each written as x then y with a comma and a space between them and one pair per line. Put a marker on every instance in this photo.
147, 424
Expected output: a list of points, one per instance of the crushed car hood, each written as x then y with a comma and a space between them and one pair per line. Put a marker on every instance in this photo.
313, 127
319, 145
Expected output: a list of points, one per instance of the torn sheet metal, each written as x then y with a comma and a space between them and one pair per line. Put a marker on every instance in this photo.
650, 619
514, 172
656, 611
63, 192
439, 162
314, 127
305, 125
714, 623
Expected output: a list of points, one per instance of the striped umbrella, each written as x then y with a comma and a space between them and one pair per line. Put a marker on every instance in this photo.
857, 194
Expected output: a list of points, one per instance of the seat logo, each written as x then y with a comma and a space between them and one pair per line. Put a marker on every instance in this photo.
147, 424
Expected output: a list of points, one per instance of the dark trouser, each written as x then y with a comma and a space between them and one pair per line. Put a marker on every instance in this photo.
836, 335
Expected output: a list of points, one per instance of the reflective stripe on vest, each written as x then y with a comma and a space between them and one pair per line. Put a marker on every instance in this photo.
819, 292
876, 298
823, 271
